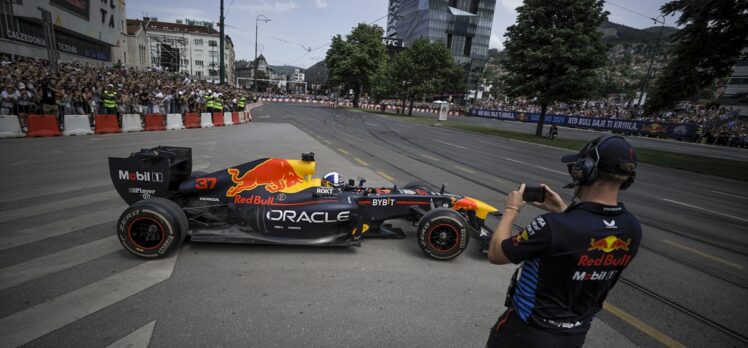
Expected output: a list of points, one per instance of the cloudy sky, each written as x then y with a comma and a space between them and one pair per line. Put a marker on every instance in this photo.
299, 25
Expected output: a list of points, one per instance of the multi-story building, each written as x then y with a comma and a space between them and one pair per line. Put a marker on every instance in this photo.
736, 90
84, 31
186, 46
464, 26
246, 71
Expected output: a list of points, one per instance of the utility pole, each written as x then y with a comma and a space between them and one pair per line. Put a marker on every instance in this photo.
220, 49
645, 81
254, 86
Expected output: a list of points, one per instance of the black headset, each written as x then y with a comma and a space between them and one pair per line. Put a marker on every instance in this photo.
584, 170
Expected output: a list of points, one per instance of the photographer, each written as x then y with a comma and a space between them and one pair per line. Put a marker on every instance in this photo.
571, 257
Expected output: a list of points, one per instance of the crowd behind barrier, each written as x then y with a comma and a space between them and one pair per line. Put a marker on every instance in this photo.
687, 121
29, 87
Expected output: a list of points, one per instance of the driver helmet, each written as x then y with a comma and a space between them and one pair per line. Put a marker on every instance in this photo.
333, 179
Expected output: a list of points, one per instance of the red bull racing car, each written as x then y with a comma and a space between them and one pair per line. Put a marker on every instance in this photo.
278, 201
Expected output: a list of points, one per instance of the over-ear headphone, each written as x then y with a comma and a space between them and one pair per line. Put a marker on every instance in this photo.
584, 170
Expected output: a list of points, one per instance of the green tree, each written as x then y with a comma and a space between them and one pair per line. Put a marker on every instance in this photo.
353, 62
706, 49
554, 50
424, 70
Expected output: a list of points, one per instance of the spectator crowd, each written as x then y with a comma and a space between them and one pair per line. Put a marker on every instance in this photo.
30, 87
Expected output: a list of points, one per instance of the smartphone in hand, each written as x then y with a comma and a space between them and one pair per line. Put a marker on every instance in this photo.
534, 194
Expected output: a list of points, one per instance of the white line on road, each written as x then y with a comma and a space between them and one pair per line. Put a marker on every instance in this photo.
139, 338
371, 124
15, 238
430, 157
25, 212
514, 160
706, 210
551, 170
52, 263
729, 194
201, 166
450, 144
23, 327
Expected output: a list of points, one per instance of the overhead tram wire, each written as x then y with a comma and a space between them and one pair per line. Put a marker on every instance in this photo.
633, 11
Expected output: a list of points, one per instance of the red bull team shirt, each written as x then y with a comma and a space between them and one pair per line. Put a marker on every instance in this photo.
570, 261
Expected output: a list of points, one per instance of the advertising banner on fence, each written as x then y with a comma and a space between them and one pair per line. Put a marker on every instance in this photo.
671, 130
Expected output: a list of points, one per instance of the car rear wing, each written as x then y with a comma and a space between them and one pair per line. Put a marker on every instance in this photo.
155, 172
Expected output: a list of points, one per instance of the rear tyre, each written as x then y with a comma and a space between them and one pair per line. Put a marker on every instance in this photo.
443, 233
151, 228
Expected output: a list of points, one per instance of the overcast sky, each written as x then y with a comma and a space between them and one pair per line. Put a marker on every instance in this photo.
296, 24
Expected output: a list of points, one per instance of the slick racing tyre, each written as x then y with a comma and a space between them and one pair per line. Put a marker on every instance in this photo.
152, 227
443, 233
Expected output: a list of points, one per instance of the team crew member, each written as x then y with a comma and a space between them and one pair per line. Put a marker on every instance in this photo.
570, 257
241, 103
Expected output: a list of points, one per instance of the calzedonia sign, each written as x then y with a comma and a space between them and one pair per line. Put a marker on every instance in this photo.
31, 33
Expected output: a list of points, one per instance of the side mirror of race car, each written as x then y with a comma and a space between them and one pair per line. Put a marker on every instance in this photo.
309, 156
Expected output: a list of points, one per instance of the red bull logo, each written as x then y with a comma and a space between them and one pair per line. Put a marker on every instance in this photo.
609, 244
275, 174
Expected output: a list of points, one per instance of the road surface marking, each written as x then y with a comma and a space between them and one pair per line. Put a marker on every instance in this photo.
26, 212
642, 326
15, 238
139, 338
729, 194
371, 124
514, 160
327, 141
27, 325
52, 263
201, 166
361, 162
343, 151
384, 175
80, 185
430, 157
450, 144
706, 210
26, 161
551, 170
703, 254
464, 169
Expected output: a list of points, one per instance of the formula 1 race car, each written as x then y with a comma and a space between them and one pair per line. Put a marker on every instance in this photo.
277, 201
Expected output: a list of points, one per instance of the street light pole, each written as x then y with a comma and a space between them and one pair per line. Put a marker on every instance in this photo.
645, 81
221, 74
256, 27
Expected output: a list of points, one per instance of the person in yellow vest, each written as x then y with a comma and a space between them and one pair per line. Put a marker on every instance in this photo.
110, 100
209, 101
218, 102
242, 103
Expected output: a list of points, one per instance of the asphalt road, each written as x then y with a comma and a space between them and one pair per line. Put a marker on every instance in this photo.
638, 141
65, 280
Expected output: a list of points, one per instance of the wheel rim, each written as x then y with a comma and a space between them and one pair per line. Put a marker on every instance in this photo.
146, 233
443, 238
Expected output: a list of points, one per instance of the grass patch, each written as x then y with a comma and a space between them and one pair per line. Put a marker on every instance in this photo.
725, 168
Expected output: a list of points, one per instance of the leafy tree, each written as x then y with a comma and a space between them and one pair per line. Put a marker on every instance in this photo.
706, 49
425, 69
554, 51
353, 62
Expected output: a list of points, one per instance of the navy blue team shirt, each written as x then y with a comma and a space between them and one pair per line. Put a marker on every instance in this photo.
570, 261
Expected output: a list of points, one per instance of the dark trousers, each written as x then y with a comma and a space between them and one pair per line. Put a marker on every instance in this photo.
511, 331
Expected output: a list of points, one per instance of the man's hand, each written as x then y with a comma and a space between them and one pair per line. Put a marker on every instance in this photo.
552, 202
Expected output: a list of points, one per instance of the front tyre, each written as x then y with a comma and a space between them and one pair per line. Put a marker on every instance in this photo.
151, 228
443, 233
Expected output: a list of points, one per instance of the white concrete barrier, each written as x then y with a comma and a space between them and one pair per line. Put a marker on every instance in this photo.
10, 127
174, 121
77, 125
227, 119
206, 120
131, 123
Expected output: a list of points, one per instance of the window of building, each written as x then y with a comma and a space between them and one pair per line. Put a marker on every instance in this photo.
185, 62
199, 52
453, 3
468, 46
198, 63
199, 73
212, 43
449, 42
199, 42
474, 6
738, 81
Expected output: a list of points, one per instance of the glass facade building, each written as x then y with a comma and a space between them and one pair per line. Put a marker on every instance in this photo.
464, 26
